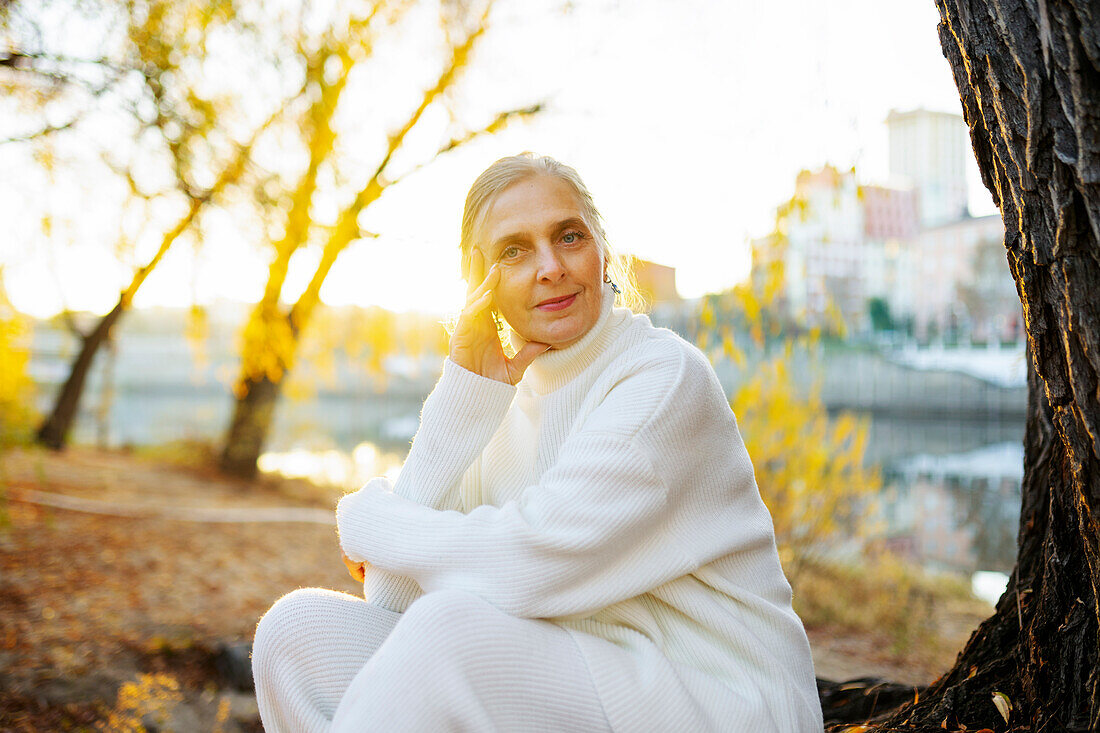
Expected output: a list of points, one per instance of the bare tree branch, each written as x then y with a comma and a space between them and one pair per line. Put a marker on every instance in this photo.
28, 63
41, 132
24, 61
459, 58
229, 175
499, 122
347, 224
320, 139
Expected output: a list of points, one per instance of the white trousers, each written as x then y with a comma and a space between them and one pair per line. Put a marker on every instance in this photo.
328, 661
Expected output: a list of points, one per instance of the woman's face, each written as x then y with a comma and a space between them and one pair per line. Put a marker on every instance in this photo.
551, 266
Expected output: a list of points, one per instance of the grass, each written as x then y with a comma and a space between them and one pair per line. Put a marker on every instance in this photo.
888, 599
187, 453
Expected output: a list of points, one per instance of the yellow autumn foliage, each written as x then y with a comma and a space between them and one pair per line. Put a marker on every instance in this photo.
809, 467
267, 345
197, 332
150, 695
16, 415
366, 337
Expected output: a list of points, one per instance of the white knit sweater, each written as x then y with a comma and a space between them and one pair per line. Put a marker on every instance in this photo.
611, 493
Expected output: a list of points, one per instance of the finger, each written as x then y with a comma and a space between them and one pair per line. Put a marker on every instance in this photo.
525, 356
477, 271
491, 280
357, 570
471, 315
478, 305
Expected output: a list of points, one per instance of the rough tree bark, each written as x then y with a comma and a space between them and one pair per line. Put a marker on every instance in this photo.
253, 418
54, 430
1028, 73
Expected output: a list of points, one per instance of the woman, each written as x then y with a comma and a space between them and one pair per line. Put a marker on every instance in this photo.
576, 541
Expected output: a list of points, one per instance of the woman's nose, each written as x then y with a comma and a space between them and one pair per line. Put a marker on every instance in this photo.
550, 267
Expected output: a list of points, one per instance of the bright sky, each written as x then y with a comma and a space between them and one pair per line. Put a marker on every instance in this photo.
688, 126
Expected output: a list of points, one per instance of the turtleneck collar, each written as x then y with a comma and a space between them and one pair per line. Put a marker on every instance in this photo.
555, 368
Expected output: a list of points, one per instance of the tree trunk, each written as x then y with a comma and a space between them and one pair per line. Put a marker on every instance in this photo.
1028, 73
55, 429
257, 391
253, 417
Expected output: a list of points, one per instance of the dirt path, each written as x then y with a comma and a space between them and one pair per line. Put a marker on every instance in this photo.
90, 601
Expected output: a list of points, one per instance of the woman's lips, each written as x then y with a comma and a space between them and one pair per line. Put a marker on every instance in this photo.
557, 304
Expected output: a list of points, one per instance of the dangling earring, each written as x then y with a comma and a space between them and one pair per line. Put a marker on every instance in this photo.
500, 324
614, 287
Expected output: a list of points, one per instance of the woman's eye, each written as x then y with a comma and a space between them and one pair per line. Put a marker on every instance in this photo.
509, 252
572, 237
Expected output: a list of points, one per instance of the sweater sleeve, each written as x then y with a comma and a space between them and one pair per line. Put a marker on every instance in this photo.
593, 531
457, 421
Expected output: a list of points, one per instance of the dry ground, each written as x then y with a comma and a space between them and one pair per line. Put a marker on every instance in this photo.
90, 602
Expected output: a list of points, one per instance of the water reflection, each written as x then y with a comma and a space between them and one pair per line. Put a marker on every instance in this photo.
953, 512
956, 511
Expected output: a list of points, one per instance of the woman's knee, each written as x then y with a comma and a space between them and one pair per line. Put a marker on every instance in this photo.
291, 610
447, 628
448, 605
288, 620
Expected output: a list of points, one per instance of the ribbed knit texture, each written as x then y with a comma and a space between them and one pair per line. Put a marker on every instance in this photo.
610, 493
458, 418
308, 648
456, 663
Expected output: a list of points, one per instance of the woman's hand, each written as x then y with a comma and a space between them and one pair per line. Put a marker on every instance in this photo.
356, 569
475, 343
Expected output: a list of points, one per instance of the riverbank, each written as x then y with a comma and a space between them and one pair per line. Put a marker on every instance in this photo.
131, 603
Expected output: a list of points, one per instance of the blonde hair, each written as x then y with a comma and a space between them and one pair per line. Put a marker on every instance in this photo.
515, 168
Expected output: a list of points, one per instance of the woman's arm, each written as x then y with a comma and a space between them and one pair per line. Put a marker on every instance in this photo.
593, 531
621, 512
457, 421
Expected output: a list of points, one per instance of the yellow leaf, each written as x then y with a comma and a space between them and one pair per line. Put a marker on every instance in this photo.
1003, 704
707, 314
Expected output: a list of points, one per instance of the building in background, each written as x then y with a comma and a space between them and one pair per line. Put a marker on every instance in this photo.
828, 261
928, 155
905, 255
891, 220
657, 286
656, 283
966, 289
